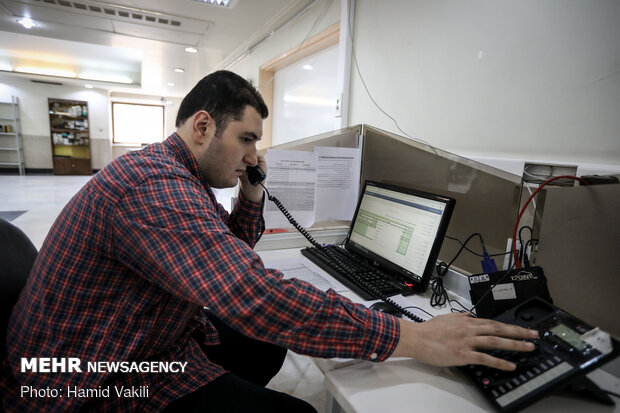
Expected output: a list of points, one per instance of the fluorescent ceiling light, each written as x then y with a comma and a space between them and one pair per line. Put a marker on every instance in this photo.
223, 3
100, 77
191, 50
106, 77
179, 70
45, 71
27, 22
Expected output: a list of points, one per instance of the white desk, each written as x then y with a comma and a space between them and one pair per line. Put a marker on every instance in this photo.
405, 385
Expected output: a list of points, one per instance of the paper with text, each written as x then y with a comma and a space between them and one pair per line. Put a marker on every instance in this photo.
337, 183
300, 271
313, 186
291, 177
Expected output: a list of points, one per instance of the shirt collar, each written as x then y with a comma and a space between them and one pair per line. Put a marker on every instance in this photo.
187, 158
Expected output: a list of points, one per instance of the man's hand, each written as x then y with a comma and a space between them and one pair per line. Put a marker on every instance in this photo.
251, 192
454, 340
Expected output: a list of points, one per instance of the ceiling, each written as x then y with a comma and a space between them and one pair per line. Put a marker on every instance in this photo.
141, 41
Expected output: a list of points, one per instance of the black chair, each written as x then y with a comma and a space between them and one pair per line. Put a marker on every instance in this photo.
17, 255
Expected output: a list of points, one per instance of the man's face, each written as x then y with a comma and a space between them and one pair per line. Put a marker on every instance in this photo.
230, 151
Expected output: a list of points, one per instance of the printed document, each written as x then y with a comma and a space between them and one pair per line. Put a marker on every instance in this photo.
313, 186
291, 177
337, 185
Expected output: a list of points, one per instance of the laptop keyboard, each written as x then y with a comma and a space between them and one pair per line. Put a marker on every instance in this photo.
365, 280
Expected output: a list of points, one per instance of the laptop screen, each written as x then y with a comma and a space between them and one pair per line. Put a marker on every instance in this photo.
401, 229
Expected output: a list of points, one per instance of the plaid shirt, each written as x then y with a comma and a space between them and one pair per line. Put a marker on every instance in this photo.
125, 272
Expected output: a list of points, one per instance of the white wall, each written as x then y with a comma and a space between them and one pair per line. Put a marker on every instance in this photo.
526, 79
523, 80
305, 99
35, 119
288, 37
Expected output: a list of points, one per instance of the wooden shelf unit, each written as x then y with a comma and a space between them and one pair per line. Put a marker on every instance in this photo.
70, 137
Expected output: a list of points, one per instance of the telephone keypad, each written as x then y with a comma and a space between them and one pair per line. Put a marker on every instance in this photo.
560, 354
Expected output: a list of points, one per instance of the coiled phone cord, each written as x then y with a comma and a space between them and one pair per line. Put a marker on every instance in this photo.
290, 218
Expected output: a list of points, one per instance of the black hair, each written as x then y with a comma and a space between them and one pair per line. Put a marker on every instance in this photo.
224, 95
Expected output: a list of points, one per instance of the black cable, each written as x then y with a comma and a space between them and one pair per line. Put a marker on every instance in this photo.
467, 249
442, 267
372, 99
439, 295
477, 253
526, 258
523, 255
401, 309
611, 393
463, 244
531, 243
420, 309
528, 228
499, 254
290, 218
522, 249
454, 310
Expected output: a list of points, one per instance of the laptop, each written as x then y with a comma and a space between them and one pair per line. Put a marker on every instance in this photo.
399, 231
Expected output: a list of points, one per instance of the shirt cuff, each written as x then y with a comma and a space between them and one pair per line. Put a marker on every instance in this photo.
381, 332
248, 208
384, 336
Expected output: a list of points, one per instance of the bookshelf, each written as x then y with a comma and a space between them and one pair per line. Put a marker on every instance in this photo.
70, 137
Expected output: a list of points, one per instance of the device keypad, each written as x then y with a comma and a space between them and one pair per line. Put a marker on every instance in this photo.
561, 353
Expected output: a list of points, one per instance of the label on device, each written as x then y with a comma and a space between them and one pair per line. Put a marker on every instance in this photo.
504, 292
598, 339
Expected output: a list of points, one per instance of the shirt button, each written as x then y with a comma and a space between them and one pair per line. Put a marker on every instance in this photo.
373, 356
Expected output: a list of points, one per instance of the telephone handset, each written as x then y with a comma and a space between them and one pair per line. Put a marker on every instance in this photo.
256, 176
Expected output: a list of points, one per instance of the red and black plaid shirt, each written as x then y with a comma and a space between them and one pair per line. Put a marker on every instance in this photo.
126, 270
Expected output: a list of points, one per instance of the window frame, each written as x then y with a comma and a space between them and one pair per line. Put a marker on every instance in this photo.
321, 41
137, 143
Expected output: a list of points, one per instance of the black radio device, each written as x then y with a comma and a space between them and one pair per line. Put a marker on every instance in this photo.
500, 291
566, 349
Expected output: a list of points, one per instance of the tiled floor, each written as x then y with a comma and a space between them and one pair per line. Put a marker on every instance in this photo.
44, 196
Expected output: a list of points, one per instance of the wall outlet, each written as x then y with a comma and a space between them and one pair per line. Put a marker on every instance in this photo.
339, 106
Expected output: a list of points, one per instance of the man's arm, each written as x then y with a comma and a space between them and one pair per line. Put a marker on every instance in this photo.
454, 340
181, 246
246, 220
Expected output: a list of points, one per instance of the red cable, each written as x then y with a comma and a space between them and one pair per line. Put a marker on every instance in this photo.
514, 234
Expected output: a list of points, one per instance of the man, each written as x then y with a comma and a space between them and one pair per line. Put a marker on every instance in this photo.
134, 258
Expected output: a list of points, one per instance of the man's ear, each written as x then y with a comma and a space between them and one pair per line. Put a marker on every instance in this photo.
202, 124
